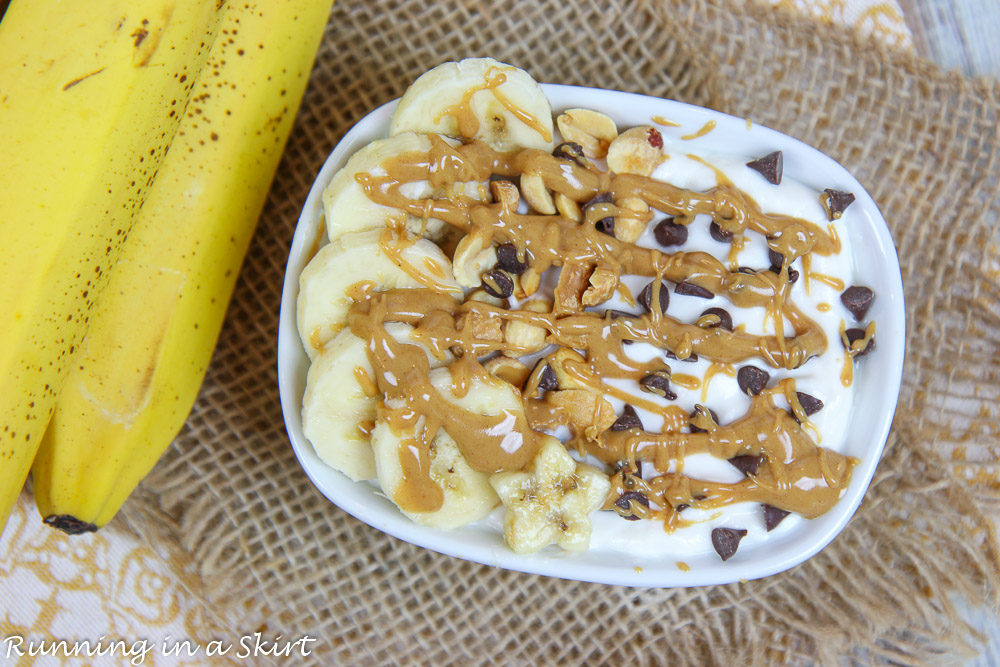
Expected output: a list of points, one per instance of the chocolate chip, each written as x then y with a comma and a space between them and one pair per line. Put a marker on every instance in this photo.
690, 289
497, 177
810, 404
746, 269
793, 275
626, 499
776, 258
693, 357
498, 283
681, 507
747, 463
629, 419
725, 320
508, 261
719, 234
547, 380
859, 334
615, 314
572, 151
696, 429
604, 225
668, 232
752, 380
769, 167
857, 299
546, 377
625, 468
646, 297
835, 202
727, 540
773, 516
658, 383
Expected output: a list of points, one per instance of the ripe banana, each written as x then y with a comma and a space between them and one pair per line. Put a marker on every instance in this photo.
91, 94
478, 98
349, 210
151, 339
386, 257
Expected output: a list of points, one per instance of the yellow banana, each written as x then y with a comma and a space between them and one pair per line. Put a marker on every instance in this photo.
154, 330
91, 94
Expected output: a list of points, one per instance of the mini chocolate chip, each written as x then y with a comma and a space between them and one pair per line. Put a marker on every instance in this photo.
769, 166
572, 151
681, 507
690, 289
836, 202
859, 334
615, 314
498, 283
747, 463
857, 299
547, 380
658, 383
668, 232
810, 404
629, 419
508, 261
624, 503
646, 297
793, 275
691, 358
725, 320
773, 516
605, 226
752, 380
622, 465
776, 258
695, 429
727, 540
719, 234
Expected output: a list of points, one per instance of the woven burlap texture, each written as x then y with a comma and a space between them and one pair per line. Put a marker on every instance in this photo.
267, 545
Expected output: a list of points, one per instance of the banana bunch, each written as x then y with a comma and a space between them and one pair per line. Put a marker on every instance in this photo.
151, 335
344, 417
91, 95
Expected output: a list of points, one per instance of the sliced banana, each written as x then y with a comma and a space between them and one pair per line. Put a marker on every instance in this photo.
348, 208
478, 98
468, 495
386, 258
339, 405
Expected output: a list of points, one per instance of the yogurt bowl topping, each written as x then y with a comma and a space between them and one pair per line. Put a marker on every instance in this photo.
627, 341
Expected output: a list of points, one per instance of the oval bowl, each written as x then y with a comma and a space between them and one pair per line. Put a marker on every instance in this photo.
877, 381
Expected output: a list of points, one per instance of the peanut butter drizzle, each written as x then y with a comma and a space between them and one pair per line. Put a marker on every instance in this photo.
797, 475
660, 120
705, 129
465, 117
415, 409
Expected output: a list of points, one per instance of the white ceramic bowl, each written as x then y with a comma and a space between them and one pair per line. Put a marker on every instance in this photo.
877, 381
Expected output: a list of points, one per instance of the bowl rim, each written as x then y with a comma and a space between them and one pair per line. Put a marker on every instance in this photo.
370, 506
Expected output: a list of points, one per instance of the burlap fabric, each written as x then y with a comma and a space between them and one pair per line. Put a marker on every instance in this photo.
267, 545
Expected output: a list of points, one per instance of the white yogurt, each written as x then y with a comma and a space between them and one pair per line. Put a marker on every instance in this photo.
819, 377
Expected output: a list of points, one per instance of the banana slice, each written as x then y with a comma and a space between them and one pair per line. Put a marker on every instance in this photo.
388, 258
478, 98
349, 210
339, 405
468, 495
